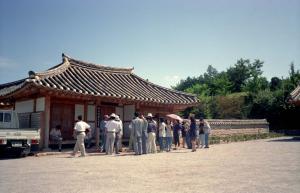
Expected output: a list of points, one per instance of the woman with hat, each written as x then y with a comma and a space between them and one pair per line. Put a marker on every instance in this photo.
152, 127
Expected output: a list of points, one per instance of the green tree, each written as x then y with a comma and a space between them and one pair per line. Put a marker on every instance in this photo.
239, 74
256, 84
275, 84
244, 72
231, 106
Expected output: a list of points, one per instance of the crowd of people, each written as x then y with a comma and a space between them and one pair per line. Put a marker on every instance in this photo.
145, 132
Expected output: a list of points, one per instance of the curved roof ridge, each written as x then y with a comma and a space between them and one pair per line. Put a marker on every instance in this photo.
295, 94
101, 67
12, 83
172, 90
56, 69
9, 88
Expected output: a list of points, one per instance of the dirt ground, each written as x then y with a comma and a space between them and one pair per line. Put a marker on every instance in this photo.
262, 166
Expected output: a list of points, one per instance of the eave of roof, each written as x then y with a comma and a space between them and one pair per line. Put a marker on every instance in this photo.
295, 94
86, 78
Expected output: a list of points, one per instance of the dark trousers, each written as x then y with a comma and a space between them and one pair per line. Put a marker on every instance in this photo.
176, 140
144, 143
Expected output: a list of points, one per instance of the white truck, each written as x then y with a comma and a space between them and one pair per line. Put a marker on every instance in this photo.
17, 140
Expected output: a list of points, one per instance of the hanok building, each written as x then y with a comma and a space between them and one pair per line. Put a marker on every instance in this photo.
295, 96
58, 95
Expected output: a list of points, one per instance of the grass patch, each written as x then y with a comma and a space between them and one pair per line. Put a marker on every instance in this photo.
214, 139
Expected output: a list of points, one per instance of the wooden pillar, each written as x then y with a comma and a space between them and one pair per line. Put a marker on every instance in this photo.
97, 133
34, 105
85, 111
137, 107
47, 121
42, 131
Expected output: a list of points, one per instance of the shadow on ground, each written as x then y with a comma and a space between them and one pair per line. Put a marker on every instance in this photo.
12, 155
291, 139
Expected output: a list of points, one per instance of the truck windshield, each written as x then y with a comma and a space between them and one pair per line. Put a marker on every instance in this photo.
5, 117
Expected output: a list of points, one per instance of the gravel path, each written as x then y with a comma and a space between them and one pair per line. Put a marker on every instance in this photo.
261, 166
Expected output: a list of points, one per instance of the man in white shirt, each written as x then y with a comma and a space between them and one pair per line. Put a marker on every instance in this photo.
80, 128
111, 127
162, 134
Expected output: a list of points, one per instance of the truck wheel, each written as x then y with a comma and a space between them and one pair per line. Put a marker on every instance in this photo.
20, 153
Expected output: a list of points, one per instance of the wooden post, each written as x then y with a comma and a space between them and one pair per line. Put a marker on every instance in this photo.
85, 111
34, 105
47, 122
97, 133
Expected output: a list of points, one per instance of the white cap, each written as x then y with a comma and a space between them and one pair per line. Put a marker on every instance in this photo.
113, 115
117, 118
149, 115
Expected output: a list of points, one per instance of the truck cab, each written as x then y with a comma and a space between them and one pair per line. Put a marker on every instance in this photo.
13, 138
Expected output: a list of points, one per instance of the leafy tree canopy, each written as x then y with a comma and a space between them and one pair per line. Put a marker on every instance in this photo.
242, 91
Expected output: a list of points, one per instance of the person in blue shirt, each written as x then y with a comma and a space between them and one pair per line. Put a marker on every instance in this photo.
177, 133
152, 128
193, 133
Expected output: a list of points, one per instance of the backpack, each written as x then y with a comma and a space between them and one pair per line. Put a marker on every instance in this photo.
201, 128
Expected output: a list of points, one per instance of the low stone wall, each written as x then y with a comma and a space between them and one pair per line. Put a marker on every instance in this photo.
238, 127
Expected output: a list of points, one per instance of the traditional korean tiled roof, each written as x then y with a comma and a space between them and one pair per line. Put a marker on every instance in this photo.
78, 77
296, 94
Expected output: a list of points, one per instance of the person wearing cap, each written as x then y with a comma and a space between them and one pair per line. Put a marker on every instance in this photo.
111, 127
80, 128
119, 133
103, 132
137, 127
144, 135
152, 127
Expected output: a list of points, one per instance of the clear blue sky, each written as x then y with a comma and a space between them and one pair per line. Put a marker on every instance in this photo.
164, 40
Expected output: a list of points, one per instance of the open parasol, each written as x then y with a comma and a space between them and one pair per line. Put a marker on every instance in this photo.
175, 117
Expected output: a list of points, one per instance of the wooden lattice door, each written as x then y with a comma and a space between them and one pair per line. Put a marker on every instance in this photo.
63, 114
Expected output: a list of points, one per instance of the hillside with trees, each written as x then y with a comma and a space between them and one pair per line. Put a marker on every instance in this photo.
242, 92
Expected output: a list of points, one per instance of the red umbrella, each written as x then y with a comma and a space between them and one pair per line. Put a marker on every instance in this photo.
173, 116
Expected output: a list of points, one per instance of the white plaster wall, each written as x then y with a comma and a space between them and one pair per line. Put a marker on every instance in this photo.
91, 113
40, 104
119, 111
24, 106
129, 112
79, 110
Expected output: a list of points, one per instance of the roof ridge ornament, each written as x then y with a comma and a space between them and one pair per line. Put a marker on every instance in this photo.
65, 57
57, 69
31, 74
